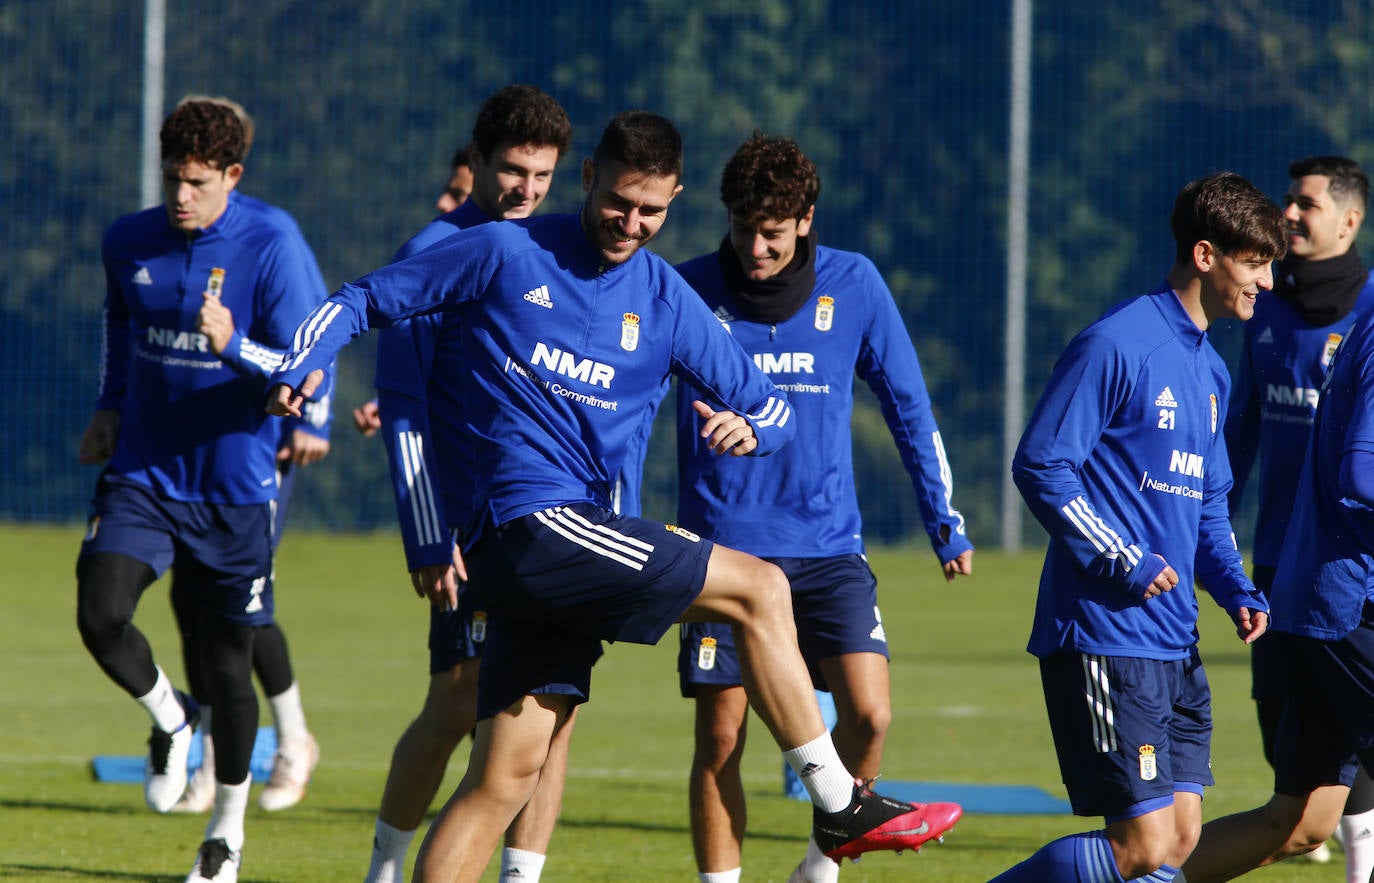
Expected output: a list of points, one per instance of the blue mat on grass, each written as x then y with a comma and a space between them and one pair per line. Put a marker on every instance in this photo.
116, 768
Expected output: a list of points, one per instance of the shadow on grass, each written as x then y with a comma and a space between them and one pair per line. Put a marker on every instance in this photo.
54, 806
41, 872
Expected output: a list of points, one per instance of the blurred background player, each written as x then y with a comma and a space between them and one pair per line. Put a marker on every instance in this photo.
1124, 464
455, 193
520, 135
303, 441
192, 464
1320, 288
811, 317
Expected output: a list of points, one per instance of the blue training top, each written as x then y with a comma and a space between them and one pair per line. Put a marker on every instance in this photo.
191, 422
564, 354
801, 502
1282, 365
1326, 570
1123, 460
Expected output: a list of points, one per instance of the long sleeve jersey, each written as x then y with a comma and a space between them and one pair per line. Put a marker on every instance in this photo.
564, 354
801, 502
1124, 459
1326, 570
191, 422
1283, 361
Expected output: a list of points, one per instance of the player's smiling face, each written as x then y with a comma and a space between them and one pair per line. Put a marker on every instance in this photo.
514, 181
196, 194
1233, 284
765, 247
1318, 226
624, 208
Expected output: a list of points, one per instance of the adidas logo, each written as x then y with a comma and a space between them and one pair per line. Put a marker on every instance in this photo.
1266, 336
540, 296
143, 277
1166, 399
878, 634
809, 770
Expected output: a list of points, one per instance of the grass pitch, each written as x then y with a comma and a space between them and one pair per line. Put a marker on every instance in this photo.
967, 708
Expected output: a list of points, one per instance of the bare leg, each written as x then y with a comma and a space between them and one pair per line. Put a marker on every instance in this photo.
507, 754
422, 753
1284, 827
863, 708
716, 791
532, 829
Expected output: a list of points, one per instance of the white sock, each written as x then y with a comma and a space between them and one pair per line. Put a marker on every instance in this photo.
818, 766
1357, 836
231, 802
719, 876
818, 867
389, 847
520, 864
163, 705
289, 716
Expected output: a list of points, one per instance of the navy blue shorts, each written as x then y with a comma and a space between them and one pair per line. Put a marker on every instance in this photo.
1128, 732
229, 548
556, 583
455, 635
834, 603
1327, 728
286, 483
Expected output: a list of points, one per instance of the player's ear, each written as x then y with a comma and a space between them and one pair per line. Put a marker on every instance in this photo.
233, 174
1205, 256
588, 174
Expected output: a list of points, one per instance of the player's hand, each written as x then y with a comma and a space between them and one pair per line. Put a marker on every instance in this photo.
1164, 582
303, 449
99, 438
726, 431
1251, 624
282, 401
215, 321
438, 583
961, 565
368, 418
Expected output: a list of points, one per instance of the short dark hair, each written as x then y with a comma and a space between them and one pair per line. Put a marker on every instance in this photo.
204, 130
1347, 179
642, 141
462, 157
1232, 214
520, 114
769, 178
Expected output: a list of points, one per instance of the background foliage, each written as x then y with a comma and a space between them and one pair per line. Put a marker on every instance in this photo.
902, 105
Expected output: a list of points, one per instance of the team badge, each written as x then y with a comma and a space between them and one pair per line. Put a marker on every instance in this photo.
683, 532
825, 312
1148, 767
1213, 397
629, 332
478, 630
215, 286
706, 654
1333, 342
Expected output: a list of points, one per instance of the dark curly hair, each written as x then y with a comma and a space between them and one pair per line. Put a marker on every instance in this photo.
206, 131
520, 114
769, 178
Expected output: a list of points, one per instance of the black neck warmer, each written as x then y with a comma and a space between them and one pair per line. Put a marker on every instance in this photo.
777, 298
1324, 291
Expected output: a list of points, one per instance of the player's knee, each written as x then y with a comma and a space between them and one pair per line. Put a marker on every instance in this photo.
1140, 859
107, 590
769, 595
718, 745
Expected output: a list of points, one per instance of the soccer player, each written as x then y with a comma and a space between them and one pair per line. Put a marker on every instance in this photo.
302, 442
201, 298
1324, 627
1322, 285
811, 317
569, 329
1124, 464
520, 135
459, 186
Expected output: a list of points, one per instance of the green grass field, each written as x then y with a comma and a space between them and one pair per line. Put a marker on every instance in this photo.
967, 708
